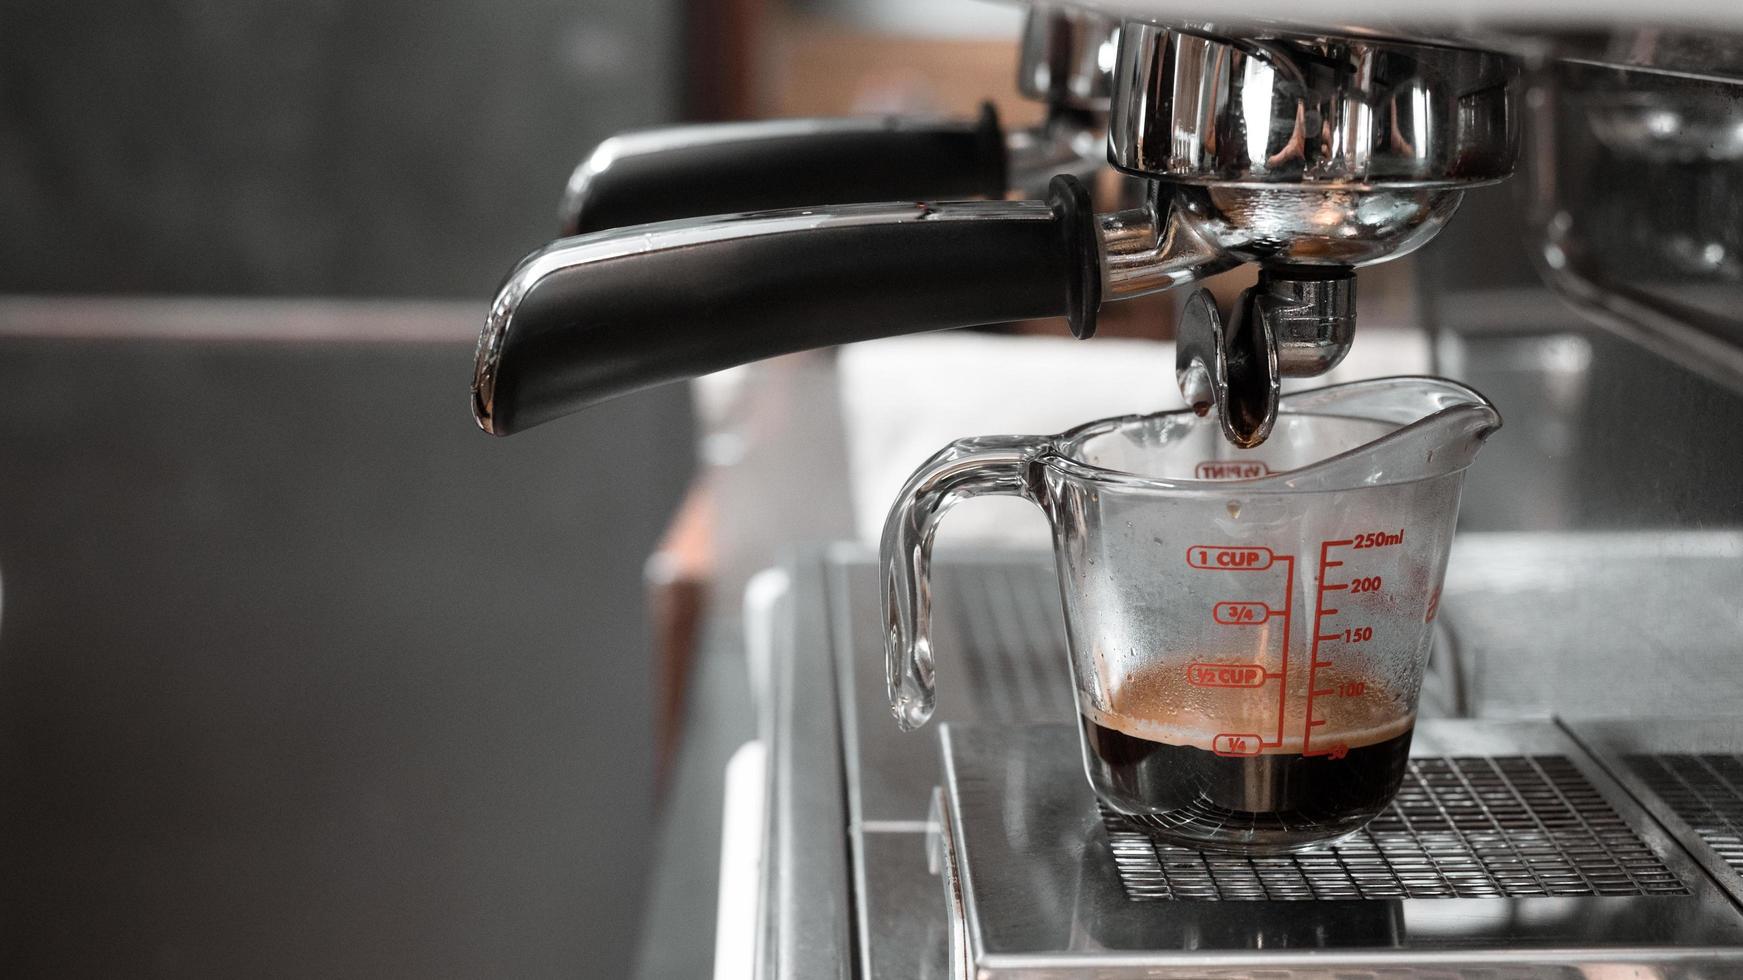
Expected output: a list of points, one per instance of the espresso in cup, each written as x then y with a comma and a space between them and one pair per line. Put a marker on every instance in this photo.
1231, 765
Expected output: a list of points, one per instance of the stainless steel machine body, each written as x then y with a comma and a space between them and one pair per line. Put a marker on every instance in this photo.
1519, 847
1575, 806
1577, 798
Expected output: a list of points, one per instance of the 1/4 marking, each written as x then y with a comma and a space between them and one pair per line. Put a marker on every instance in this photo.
1229, 743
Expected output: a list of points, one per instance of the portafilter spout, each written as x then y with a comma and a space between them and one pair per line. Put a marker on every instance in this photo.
1311, 155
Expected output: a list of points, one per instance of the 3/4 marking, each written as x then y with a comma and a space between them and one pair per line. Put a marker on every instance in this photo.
1242, 613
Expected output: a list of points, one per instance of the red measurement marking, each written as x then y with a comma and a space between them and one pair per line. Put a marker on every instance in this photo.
1223, 469
1332, 588
1241, 613
1433, 606
1320, 612
1222, 558
1283, 671
1232, 744
1250, 559
1224, 675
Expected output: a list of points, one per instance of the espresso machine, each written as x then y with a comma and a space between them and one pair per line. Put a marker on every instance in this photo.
1574, 801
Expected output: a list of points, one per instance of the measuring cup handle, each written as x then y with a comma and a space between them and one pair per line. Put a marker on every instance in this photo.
965, 468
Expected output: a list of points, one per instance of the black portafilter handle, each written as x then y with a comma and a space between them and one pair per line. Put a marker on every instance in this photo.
601, 315
725, 168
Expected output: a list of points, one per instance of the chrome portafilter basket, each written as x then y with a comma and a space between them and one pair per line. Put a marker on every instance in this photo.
1309, 155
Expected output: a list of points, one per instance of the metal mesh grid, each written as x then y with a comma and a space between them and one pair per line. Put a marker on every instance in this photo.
1012, 639
1465, 827
1706, 791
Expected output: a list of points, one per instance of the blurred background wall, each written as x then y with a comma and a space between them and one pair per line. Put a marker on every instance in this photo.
301, 675
370, 148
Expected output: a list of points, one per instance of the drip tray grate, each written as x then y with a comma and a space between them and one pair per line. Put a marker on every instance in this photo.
1706, 791
1461, 827
1012, 639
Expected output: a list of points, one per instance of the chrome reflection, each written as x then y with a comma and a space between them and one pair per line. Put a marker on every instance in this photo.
1276, 108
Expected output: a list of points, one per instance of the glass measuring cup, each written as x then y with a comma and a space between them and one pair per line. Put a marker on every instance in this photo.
1248, 628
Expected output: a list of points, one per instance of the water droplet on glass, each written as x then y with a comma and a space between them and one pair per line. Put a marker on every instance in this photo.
1235, 509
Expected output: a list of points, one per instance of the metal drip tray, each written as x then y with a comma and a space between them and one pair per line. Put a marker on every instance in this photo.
1510, 852
1688, 774
1706, 791
1461, 827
